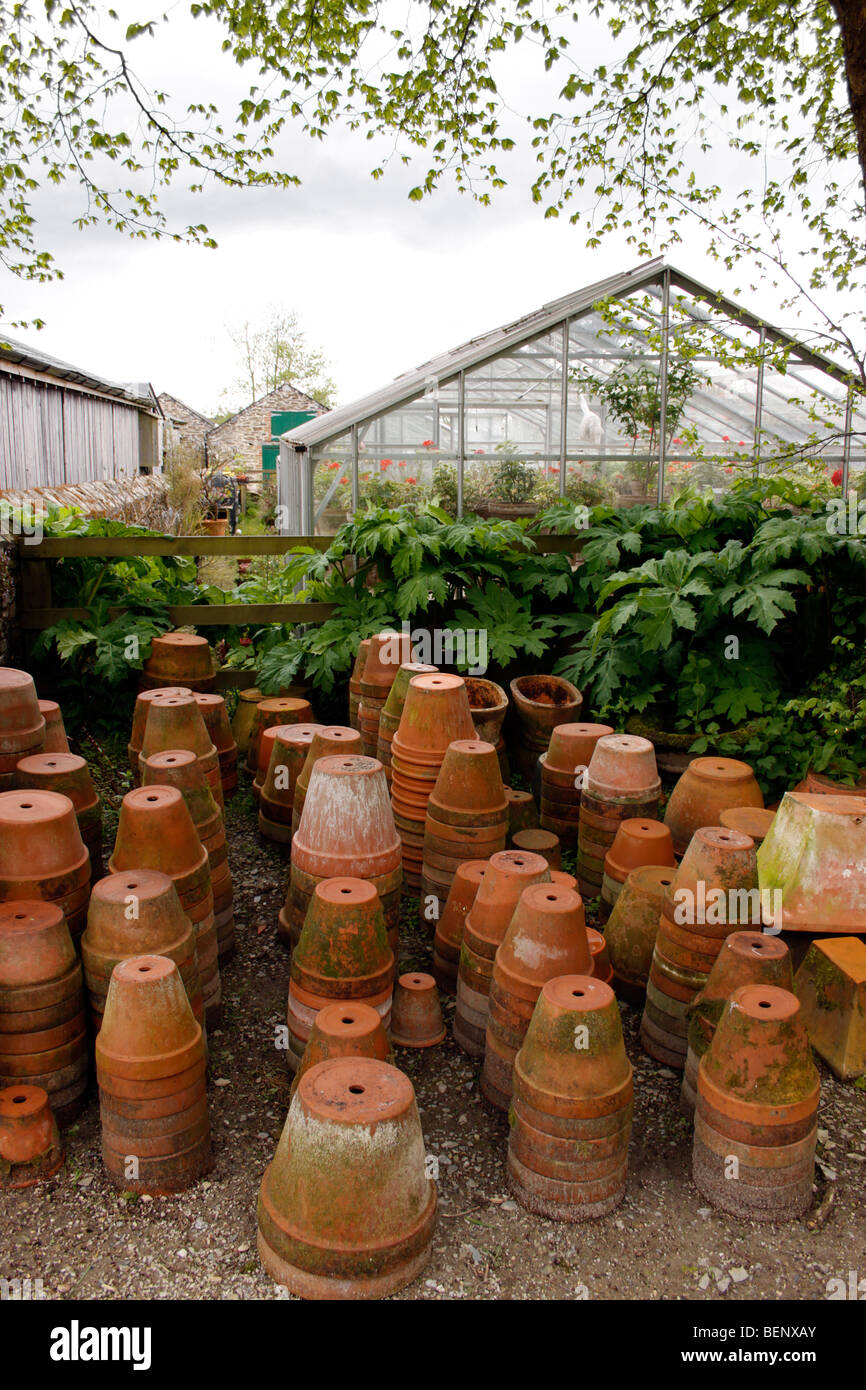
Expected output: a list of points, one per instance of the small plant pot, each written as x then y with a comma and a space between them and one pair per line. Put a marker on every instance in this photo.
55, 733
347, 825
215, 525
632, 928
22, 724
448, 937
30, 1147
245, 717
345, 1029
279, 709
488, 703
416, 1020
522, 811
179, 658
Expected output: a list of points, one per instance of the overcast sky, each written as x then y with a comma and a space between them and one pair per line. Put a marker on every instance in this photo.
379, 282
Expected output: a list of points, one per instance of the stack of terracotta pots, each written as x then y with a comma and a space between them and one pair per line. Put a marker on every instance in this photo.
814, 857
244, 717
746, 958
488, 703
55, 730
632, 928
175, 722
139, 722
133, 914
216, 721
620, 783
716, 879
484, 928
545, 938
389, 719
436, 713
43, 1030
448, 937
522, 812
326, 742
572, 1104
42, 854
344, 1030
280, 709
355, 682
708, 787
31, 1150
541, 704
638, 843
342, 953
289, 749
150, 1065
181, 769
385, 655
68, 774
467, 818
22, 725
757, 1106
155, 831
361, 1224
347, 829
179, 658
562, 767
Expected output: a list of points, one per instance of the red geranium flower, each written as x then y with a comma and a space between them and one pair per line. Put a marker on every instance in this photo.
836, 478
245, 641
411, 480
726, 439
385, 463
427, 444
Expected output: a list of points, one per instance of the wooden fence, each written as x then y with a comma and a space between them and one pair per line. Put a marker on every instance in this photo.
36, 609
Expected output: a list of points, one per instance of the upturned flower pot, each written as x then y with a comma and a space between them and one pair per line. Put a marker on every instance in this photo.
174, 722
815, 857
132, 914
545, 938
55, 730
327, 741
542, 842
291, 744
70, 776
416, 1017
392, 711
623, 769
360, 1224
347, 825
179, 658
749, 820
143, 701
638, 843
31, 1150
244, 718
465, 818
746, 958
632, 928
386, 653
150, 1061
345, 1029
42, 1012
522, 812
42, 854
708, 787
216, 721
355, 682
572, 1104
22, 724
757, 1103
541, 703
572, 745
281, 709
448, 937
831, 987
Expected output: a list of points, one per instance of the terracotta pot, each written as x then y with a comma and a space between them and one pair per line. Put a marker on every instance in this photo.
148, 1036
391, 713
572, 746
632, 927
55, 732
42, 854
757, 1100
281, 709
175, 722
539, 842
416, 1019
815, 857
448, 937
360, 1225
638, 843
831, 987
541, 703
155, 831
134, 914
707, 787
436, 712
522, 812
216, 720
546, 938
345, 1029
347, 826
623, 769
327, 741
244, 717
748, 820
568, 1145
507, 875
30, 1146
488, 703
22, 725
139, 720
386, 653
816, 784
355, 682
466, 817
289, 751
41, 993
746, 958
70, 776
179, 658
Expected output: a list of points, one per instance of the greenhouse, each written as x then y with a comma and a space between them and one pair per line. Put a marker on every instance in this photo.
569, 401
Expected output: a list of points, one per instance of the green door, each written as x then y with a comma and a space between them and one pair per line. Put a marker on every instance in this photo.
284, 420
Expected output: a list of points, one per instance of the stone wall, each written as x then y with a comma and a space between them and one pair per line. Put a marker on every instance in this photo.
185, 429
239, 440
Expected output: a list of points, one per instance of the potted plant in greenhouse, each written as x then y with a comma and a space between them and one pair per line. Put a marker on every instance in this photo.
512, 485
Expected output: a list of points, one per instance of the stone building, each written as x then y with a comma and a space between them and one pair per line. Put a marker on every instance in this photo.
239, 439
185, 428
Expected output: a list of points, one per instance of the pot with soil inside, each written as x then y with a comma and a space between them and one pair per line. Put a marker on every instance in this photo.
540, 704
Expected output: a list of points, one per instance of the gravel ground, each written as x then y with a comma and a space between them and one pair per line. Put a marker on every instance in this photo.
83, 1239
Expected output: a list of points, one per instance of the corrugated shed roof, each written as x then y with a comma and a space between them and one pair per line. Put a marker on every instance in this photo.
23, 355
